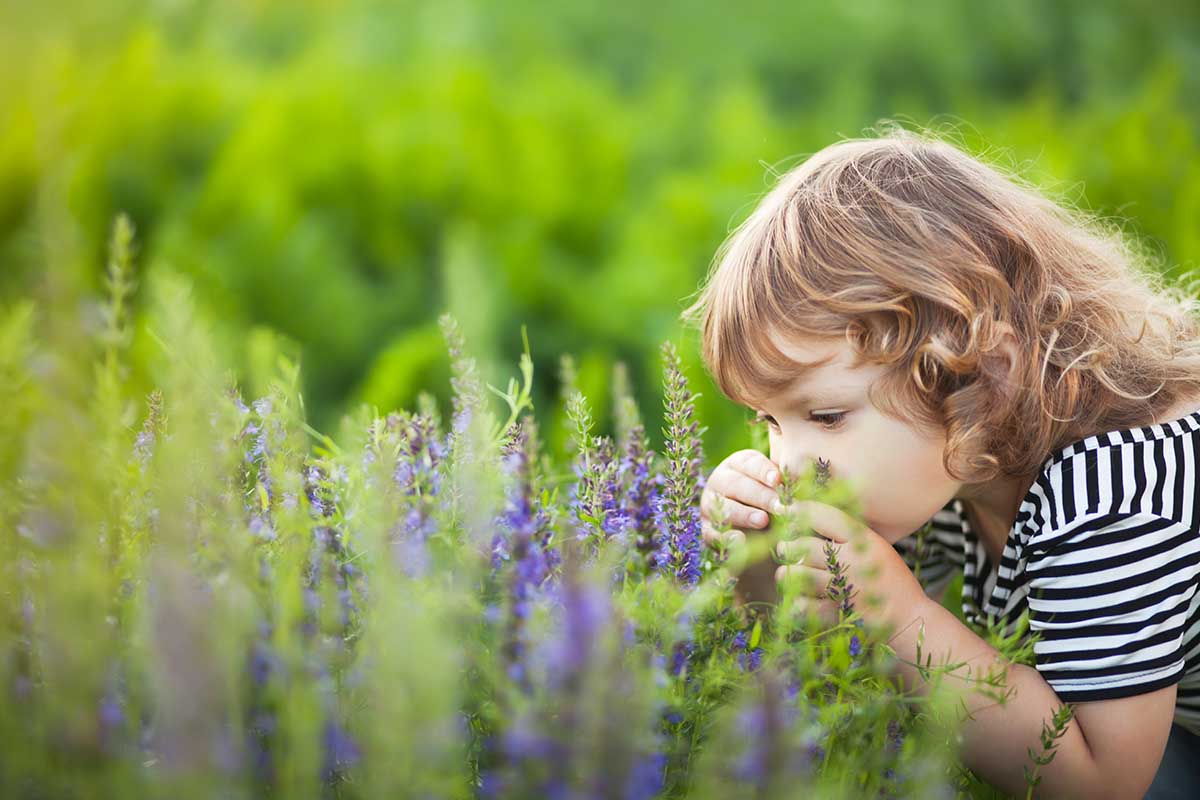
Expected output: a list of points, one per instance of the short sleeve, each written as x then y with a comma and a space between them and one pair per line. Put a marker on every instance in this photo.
1110, 597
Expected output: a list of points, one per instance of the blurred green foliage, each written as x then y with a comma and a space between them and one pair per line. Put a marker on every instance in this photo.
333, 175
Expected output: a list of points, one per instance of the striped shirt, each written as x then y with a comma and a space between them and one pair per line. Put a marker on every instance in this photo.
1105, 555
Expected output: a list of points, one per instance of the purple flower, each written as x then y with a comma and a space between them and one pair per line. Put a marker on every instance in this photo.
748, 659
341, 751
680, 655
522, 741
646, 779
767, 742
855, 646
261, 733
615, 520
262, 662
839, 591
420, 459
641, 497
585, 608
679, 503
595, 499
111, 716
522, 538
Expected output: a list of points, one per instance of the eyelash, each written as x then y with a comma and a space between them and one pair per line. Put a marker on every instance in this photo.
840, 417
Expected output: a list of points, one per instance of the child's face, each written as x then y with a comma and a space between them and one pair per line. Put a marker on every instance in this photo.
896, 469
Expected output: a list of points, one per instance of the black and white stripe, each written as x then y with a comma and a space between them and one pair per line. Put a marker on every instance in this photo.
1105, 554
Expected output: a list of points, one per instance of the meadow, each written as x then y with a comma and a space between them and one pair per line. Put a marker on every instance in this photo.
207, 596
351, 442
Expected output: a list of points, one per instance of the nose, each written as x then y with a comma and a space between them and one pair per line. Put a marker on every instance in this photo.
797, 460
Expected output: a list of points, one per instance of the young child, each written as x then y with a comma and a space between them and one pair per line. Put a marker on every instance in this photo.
970, 354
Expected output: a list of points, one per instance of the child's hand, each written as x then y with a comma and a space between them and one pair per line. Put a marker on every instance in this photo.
746, 483
888, 590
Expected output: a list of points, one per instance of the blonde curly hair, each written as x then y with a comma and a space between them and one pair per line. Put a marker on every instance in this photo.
922, 255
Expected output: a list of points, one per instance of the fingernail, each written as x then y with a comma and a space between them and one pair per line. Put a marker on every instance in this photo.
772, 476
778, 507
758, 518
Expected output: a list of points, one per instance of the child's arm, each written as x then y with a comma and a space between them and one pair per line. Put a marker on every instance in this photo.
1114, 746
1111, 749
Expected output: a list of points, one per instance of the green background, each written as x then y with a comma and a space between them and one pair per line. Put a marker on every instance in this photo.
332, 176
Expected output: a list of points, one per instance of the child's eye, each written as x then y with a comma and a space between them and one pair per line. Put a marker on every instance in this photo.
760, 418
829, 421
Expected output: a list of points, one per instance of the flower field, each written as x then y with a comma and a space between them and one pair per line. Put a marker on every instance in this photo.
204, 596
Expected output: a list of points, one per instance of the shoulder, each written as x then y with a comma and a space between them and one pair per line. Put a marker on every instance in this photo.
1110, 542
1148, 472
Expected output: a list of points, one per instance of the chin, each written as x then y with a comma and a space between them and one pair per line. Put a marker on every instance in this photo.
893, 533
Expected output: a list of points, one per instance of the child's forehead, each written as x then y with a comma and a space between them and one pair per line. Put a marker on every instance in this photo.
810, 364
815, 355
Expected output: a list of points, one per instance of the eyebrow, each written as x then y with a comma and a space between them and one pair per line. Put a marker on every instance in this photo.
811, 397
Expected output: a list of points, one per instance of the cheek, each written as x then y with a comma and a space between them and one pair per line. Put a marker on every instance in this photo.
903, 482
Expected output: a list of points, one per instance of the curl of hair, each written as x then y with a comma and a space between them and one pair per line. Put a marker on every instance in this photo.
925, 259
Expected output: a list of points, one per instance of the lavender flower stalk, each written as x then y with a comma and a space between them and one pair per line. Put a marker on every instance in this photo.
524, 539
767, 728
418, 475
839, 592
593, 497
593, 733
641, 498
679, 506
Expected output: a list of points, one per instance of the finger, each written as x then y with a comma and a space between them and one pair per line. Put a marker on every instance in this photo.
808, 581
828, 521
809, 548
743, 488
714, 538
757, 466
737, 513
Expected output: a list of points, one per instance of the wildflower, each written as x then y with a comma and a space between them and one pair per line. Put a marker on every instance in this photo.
151, 430
641, 497
679, 504
523, 538
595, 494
263, 661
646, 779
418, 474
615, 522
341, 751
261, 730
765, 729
469, 399
585, 608
822, 474
839, 591
748, 658
895, 736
